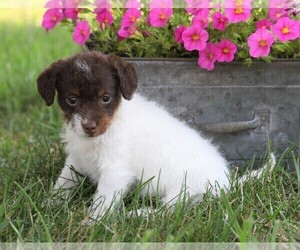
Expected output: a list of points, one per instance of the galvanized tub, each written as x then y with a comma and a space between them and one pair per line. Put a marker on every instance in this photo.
241, 108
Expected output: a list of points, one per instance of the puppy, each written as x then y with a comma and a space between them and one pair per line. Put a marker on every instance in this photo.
116, 137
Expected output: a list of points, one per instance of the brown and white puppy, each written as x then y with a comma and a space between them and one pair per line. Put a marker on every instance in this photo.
115, 141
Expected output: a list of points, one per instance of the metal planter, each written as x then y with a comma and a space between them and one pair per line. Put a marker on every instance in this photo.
240, 107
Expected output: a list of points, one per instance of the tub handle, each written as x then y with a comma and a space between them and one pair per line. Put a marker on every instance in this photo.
259, 124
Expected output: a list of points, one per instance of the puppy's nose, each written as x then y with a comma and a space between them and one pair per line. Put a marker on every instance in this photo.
89, 126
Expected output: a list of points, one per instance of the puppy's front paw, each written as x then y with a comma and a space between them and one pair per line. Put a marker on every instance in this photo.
53, 201
141, 212
93, 219
57, 198
88, 221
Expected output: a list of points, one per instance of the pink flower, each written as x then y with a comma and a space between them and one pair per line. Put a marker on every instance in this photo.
231, 4
52, 4
193, 5
264, 23
277, 9
104, 17
130, 17
161, 4
51, 18
71, 13
219, 21
103, 4
194, 38
81, 33
208, 57
260, 43
196, 6
278, 4
201, 18
238, 14
72, 3
178, 33
238, 10
132, 4
159, 17
286, 29
193, 11
126, 32
276, 13
225, 51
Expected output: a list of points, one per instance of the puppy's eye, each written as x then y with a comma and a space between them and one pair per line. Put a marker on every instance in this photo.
106, 99
72, 100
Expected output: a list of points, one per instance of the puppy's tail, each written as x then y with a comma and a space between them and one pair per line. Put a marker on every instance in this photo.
257, 174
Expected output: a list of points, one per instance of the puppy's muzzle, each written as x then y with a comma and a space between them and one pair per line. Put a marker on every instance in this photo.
89, 127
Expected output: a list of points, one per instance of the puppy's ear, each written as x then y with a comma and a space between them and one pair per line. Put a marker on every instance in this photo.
127, 75
46, 82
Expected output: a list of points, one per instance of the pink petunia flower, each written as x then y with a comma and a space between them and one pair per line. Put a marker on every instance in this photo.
238, 10
52, 4
194, 38
161, 4
201, 18
81, 33
51, 18
103, 4
178, 33
126, 32
286, 29
278, 4
71, 13
277, 9
208, 57
72, 3
134, 4
276, 13
264, 23
219, 21
231, 4
260, 43
238, 14
193, 11
195, 5
159, 17
104, 17
226, 51
130, 17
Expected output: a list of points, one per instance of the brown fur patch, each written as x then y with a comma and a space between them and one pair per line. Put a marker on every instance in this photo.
103, 125
106, 75
75, 92
101, 92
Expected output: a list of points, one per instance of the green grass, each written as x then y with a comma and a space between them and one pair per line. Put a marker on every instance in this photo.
31, 157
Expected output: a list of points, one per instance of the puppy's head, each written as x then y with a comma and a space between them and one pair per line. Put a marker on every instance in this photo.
89, 88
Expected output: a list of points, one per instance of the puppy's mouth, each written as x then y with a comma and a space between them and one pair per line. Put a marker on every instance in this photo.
89, 128
91, 133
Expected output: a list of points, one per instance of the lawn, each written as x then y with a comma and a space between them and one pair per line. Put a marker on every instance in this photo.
31, 156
